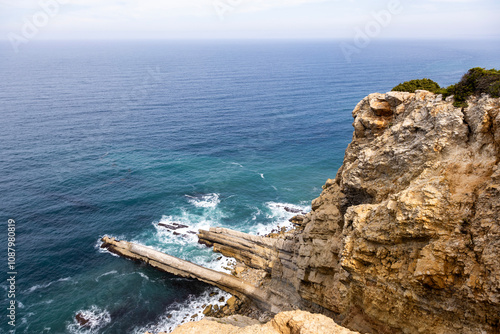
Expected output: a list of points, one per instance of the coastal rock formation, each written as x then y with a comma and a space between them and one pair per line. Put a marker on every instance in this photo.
179, 267
296, 322
410, 226
406, 238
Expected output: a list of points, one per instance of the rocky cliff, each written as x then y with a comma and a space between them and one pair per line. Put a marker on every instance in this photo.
296, 322
406, 238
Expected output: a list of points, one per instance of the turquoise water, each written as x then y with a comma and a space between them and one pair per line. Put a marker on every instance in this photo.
112, 138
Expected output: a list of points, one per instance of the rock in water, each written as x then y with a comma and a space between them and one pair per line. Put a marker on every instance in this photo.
82, 321
292, 210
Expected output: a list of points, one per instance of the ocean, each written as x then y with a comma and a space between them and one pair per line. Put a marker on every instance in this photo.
113, 137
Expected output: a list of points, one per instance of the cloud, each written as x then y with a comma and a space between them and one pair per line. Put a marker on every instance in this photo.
263, 5
17, 4
255, 18
456, 1
159, 6
425, 6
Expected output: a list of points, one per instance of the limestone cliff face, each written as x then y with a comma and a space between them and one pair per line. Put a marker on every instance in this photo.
406, 238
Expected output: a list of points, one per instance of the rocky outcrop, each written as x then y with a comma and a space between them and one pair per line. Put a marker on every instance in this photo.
296, 322
406, 238
409, 229
176, 266
257, 252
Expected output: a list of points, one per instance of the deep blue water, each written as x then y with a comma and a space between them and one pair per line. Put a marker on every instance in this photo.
113, 137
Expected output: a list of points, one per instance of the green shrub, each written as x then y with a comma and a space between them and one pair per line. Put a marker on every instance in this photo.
419, 84
475, 82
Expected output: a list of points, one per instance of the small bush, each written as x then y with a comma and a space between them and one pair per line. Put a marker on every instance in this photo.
475, 82
419, 84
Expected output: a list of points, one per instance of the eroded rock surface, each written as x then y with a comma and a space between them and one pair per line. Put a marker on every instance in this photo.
296, 322
406, 238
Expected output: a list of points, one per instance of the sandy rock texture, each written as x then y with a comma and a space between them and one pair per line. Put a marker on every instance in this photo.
295, 322
406, 238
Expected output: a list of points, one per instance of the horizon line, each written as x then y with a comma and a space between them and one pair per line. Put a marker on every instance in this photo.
214, 38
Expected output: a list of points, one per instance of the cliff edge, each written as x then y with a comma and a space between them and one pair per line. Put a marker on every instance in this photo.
406, 238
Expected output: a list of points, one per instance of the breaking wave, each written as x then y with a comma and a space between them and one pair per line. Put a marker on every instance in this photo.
189, 310
91, 321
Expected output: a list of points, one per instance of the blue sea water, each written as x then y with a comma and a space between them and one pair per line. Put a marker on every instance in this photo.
111, 138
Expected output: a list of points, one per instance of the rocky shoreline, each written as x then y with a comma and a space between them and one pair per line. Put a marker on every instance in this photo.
405, 239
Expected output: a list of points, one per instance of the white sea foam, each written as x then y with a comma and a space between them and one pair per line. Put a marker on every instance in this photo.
176, 234
261, 175
182, 228
233, 163
44, 286
256, 214
180, 236
112, 272
183, 241
179, 313
205, 200
45, 302
25, 320
101, 250
278, 216
97, 318
142, 275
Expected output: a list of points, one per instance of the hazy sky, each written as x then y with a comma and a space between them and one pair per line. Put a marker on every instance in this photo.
76, 19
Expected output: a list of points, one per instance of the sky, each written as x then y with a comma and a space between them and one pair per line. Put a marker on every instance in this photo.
249, 19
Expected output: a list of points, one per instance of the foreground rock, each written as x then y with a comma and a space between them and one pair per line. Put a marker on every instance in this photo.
296, 322
406, 238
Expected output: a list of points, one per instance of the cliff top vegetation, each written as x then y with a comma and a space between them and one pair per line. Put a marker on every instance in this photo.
475, 82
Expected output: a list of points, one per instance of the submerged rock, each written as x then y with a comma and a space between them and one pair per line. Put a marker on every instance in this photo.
292, 210
82, 321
